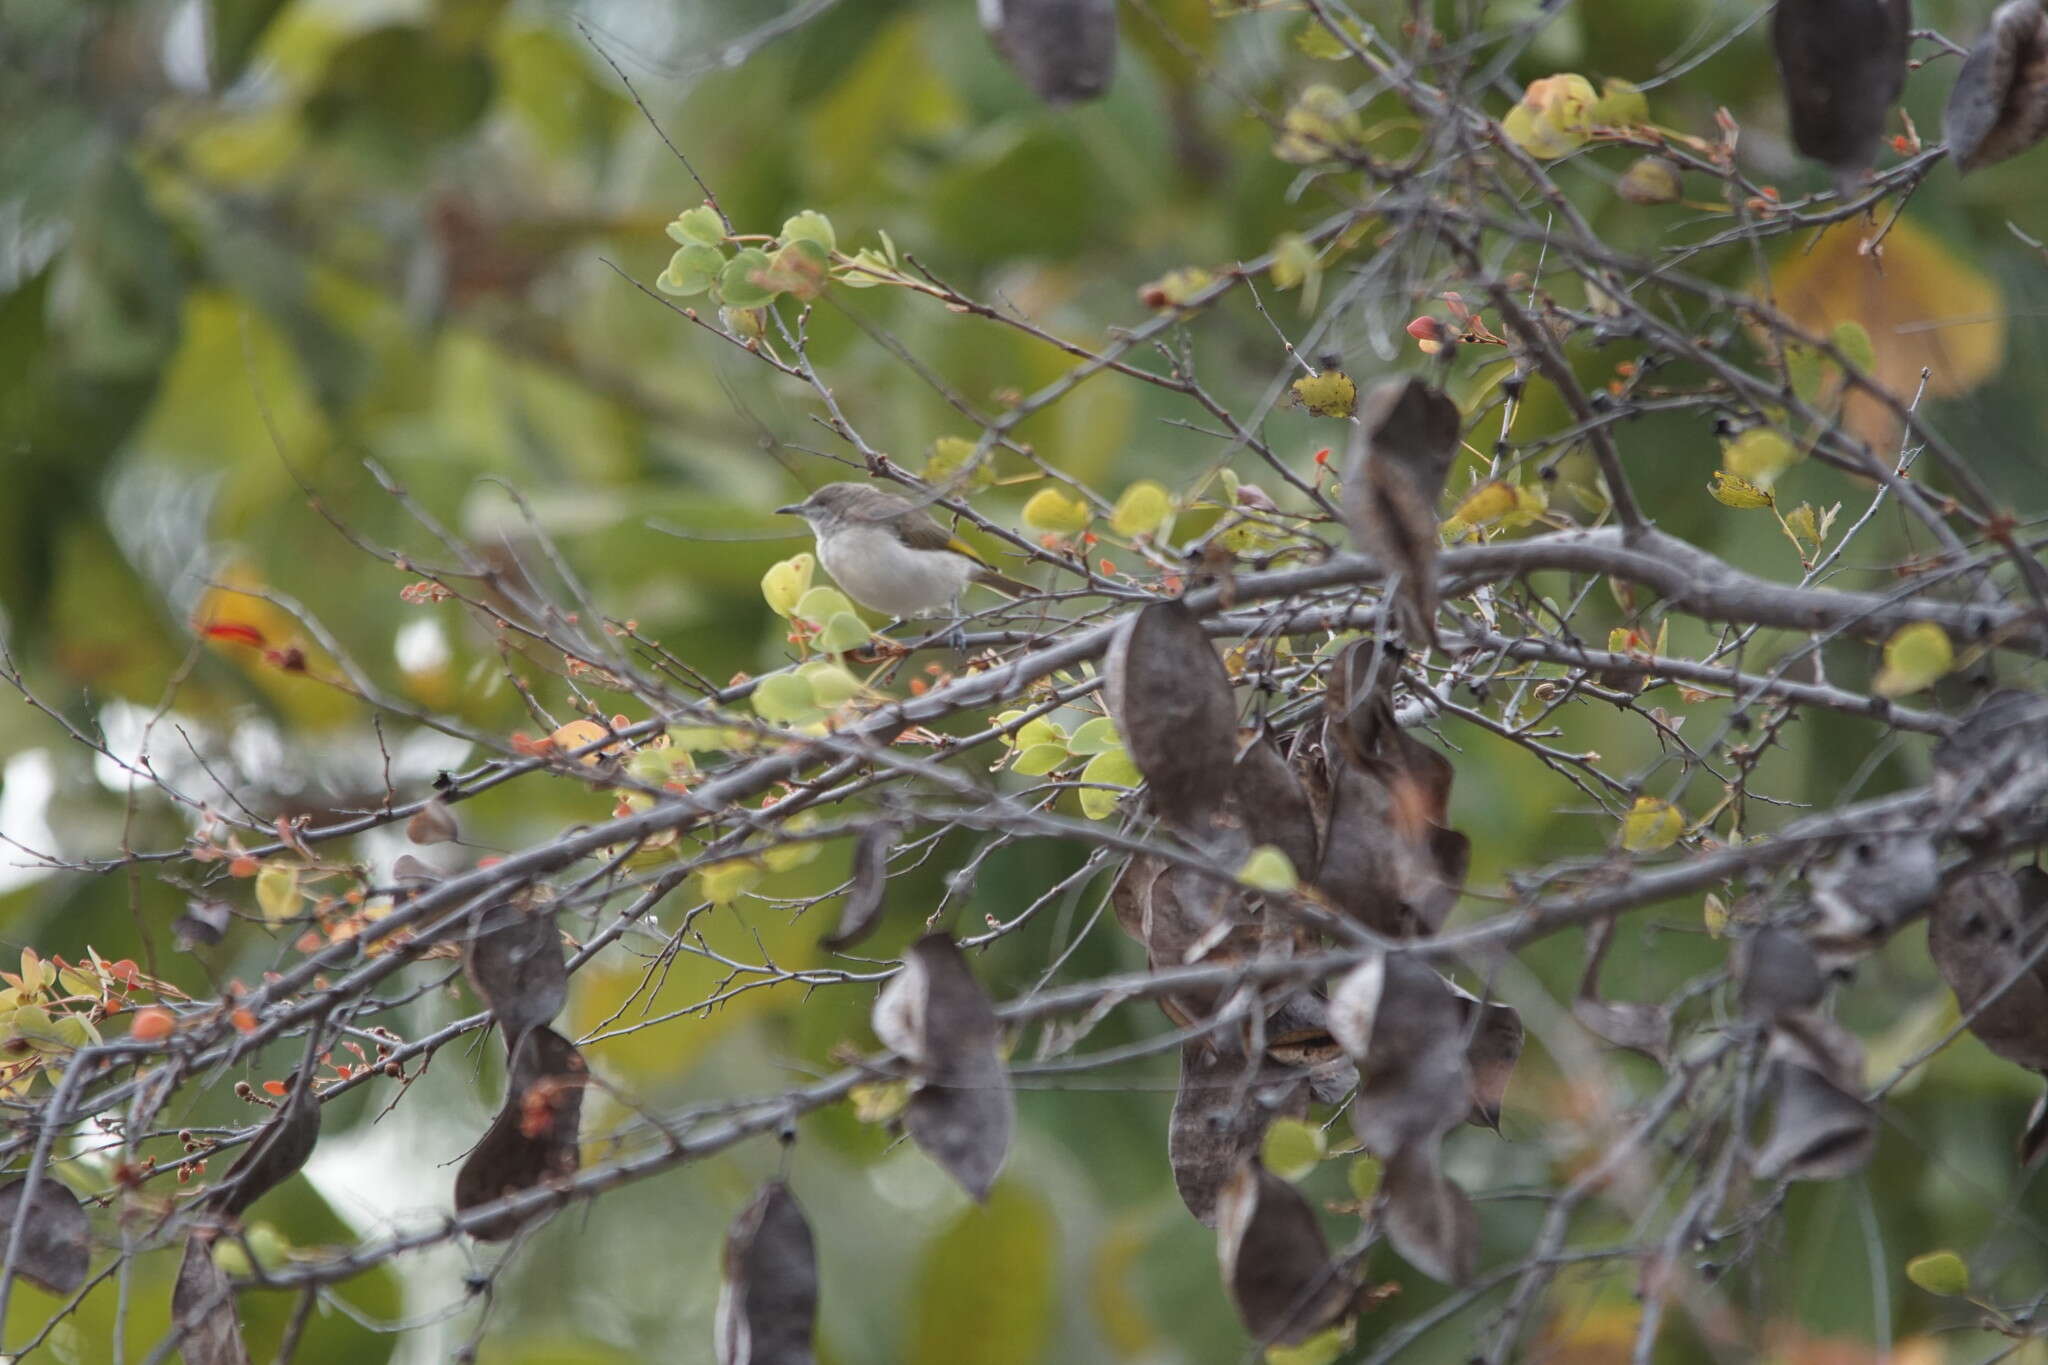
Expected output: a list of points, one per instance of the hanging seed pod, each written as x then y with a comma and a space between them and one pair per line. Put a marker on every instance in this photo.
1401, 454
1998, 106
935, 1016
56, 1239
1428, 1218
1177, 713
514, 964
1820, 1127
533, 1139
1843, 64
1064, 49
768, 1300
203, 1309
1220, 1115
273, 1156
862, 909
1276, 1262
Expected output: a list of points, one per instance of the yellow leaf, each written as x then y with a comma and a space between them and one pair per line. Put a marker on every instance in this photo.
1651, 180
1329, 394
1142, 510
1715, 912
1734, 492
1324, 1348
1489, 502
1052, 510
1622, 104
1292, 1148
1914, 657
723, 883
1758, 455
1940, 1272
581, 734
1918, 304
1268, 869
1650, 825
785, 584
277, 892
1554, 116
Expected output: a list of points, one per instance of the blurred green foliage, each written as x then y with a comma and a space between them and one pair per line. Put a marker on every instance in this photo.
252, 251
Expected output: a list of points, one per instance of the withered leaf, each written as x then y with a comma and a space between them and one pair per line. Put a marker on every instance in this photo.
432, 823
1405, 1028
1401, 453
1998, 106
1176, 711
1493, 1044
1982, 934
768, 1302
1778, 973
1269, 800
961, 1112
203, 1309
1820, 1127
861, 911
514, 963
273, 1156
1220, 1115
55, 1236
1064, 49
533, 1139
1843, 64
1429, 1220
1276, 1262
411, 873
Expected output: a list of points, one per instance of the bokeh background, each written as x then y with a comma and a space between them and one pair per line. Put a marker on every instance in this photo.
250, 248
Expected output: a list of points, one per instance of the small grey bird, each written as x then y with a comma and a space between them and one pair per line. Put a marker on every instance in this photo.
887, 553
1401, 454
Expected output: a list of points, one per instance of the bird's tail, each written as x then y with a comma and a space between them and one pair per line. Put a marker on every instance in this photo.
1008, 587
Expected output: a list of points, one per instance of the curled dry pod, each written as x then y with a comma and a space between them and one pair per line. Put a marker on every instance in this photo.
533, 1139
55, 1237
1998, 106
203, 1310
1820, 1127
514, 964
1778, 972
961, 1112
1276, 1262
861, 911
1388, 861
274, 1155
1401, 454
1272, 805
1404, 1027
1428, 1218
1984, 935
1220, 1116
1843, 64
1994, 762
1064, 49
1176, 712
768, 1302
1493, 1044
1190, 918
1358, 697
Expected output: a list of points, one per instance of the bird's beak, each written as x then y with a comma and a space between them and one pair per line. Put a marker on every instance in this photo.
795, 509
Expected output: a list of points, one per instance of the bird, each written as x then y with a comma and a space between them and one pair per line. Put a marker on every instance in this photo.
1401, 454
1843, 64
888, 554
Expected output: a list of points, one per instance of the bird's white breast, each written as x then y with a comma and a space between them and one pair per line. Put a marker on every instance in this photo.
879, 571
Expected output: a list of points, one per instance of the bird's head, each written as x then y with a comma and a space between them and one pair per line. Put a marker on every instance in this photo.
838, 503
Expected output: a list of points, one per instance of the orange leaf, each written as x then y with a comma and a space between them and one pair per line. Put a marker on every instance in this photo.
151, 1024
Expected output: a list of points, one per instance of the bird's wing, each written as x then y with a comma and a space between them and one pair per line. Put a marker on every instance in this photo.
920, 532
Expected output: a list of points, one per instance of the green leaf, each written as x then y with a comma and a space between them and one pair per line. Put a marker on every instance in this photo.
1319, 125
810, 226
1621, 105
1112, 768
948, 456
784, 699
1268, 869
986, 1290
1292, 1148
821, 604
1806, 370
743, 281
1144, 507
1914, 658
1324, 1348
842, 631
1039, 731
692, 270
1039, 759
1854, 343
1940, 1272
1650, 825
1363, 1176
699, 226
1097, 736
801, 269
831, 685
725, 882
